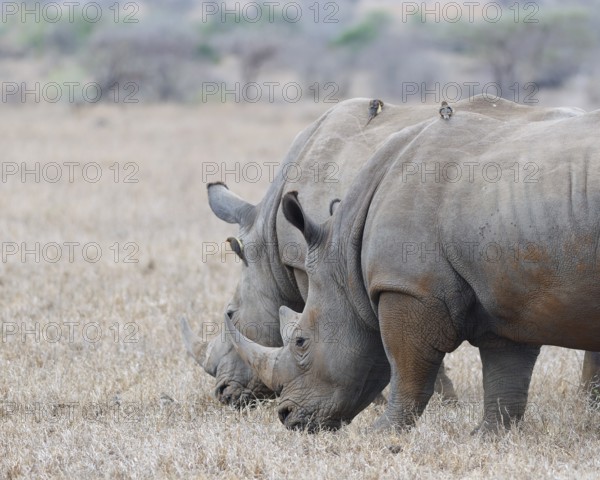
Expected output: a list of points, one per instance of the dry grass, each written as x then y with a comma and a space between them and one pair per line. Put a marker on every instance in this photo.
79, 408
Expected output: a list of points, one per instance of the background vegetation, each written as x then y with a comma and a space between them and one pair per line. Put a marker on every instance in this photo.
367, 48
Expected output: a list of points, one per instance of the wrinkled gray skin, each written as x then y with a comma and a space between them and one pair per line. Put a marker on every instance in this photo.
340, 144
413, 309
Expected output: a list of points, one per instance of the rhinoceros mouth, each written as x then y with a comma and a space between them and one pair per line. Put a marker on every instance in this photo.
236, 395
328, 426
303, 421
309, 426
229, 393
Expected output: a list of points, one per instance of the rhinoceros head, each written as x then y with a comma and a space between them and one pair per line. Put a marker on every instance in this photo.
253, 308
331, 366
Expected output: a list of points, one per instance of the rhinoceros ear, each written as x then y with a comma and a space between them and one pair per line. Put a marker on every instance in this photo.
293, 212
228, 206
288, 319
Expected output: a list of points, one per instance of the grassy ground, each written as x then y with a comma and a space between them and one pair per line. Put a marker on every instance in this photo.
116, 396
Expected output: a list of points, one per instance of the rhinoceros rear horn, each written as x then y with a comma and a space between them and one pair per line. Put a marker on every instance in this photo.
228, 206
288, 320
294, 213
263, 360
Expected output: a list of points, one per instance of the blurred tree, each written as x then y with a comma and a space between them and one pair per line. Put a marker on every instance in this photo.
68, 37
254, 44
338, 46
351, 45
547, 52
43, 35
359, 36
252, 59
278, 42
153, 56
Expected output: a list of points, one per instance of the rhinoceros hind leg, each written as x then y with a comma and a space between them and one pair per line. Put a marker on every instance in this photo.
590, 377
443, 386
507, 368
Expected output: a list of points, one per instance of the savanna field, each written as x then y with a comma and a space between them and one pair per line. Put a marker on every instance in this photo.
96, 272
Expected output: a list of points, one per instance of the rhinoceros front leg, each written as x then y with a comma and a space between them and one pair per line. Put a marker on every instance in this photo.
507, 368
443, 386
412, 340
590, 376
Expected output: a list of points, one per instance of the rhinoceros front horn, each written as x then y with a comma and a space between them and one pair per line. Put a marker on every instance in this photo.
263, 360
193, 344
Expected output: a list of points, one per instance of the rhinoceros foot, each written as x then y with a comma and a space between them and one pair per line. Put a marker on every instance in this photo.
494, 426
590, 378
488, 428
384, 424
484, 428
594, 397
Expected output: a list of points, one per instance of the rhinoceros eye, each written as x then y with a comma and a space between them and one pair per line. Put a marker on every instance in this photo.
230, 312
300, 341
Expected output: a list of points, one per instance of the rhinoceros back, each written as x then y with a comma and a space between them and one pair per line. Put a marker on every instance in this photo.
499, 212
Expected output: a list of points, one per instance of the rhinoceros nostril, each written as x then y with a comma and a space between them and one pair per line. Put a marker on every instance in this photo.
283, 413
219, 393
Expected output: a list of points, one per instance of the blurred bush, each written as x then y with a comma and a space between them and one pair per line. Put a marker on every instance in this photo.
173, 49
547, 52
157, 57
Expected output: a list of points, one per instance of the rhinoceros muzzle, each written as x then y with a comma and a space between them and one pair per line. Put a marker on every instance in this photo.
298, 419
230, 394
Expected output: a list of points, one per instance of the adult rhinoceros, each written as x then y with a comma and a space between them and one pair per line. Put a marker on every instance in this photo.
431, 249
322, 162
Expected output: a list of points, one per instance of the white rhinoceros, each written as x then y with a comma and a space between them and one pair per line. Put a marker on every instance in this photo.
321, 164
507, 260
